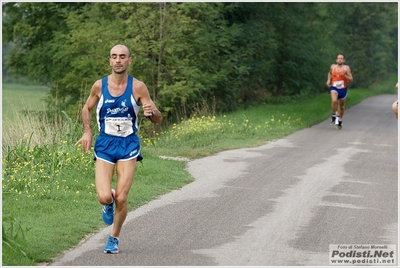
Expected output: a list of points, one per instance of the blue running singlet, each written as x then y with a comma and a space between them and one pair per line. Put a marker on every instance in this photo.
117, 119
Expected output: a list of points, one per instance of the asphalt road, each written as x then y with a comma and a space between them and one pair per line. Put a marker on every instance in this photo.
283, 203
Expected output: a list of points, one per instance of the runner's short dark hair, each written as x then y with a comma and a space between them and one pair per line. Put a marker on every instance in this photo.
344, 57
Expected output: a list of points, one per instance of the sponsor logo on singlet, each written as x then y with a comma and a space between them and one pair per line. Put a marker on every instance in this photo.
117, 110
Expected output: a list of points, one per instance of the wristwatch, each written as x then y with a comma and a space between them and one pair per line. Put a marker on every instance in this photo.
152, 114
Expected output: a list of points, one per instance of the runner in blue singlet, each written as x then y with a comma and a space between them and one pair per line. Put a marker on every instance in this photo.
117, 118
118, 97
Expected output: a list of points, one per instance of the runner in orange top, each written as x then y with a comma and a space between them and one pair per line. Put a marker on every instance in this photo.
338, 77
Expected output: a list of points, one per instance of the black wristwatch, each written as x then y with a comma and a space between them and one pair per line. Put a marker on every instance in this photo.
152, 114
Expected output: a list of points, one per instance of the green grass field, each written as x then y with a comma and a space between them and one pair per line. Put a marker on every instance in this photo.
18, 97
46, 187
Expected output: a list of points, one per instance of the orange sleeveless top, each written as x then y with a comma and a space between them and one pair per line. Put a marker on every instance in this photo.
339, 81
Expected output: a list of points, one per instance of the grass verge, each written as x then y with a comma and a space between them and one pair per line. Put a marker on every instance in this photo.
33, 96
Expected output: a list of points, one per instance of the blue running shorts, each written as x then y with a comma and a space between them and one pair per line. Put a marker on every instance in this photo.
342, 93
112, 148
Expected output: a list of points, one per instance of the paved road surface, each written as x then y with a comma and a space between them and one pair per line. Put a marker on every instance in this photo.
283, 203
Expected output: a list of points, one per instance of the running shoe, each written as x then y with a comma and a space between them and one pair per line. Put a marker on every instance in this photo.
108, 211
112, 245
334, 116
339, 126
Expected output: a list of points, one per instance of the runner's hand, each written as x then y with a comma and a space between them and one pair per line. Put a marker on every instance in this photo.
86, 142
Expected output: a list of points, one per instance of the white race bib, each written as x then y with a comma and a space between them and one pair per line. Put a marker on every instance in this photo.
118, 126
338, 84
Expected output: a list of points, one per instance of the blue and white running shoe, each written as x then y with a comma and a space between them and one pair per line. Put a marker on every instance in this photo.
112, 245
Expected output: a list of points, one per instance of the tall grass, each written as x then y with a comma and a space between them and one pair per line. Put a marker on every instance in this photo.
29, 129
18, 98
13, 243
49, 196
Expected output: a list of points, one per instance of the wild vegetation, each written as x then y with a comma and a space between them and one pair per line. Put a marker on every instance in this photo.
237, 54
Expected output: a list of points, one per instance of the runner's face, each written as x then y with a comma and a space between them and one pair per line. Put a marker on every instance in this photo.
119, 59
340, 59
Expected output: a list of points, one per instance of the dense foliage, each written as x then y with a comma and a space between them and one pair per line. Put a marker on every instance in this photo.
193, 52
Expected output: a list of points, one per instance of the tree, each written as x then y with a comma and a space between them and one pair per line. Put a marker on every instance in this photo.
367, 39
30, 26
193, 52
6, 48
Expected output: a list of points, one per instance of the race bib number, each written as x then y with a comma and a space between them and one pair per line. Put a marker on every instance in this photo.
338, 84
118, 126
